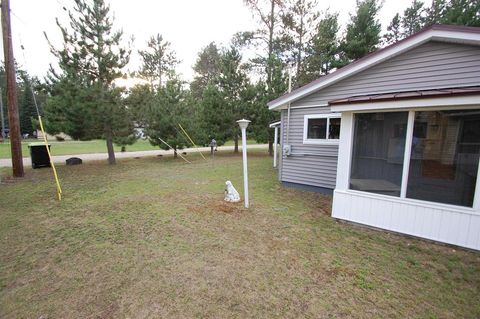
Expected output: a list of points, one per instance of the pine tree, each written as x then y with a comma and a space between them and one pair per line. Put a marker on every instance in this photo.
300, 19
363, 31
27, 109
269, 36
416, 17
462, 12
394, 31
214, 113
233, 83
159, 61
170, 108
322, 50
272, 44
260, 115
207, 68
413, 19
228, 99
436, 12
84, 102
140, 100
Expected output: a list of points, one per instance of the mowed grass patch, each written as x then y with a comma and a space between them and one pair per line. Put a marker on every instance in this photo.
152, 237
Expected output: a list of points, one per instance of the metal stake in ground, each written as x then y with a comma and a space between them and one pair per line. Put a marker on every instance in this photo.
175, 151
243, 123
191, 141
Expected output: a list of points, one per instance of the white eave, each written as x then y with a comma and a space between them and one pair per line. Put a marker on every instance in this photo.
274, 124
455, 34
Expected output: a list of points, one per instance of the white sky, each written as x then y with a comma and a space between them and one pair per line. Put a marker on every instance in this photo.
188, 24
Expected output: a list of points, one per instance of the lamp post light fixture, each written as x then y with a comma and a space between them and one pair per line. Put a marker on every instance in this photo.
243, 123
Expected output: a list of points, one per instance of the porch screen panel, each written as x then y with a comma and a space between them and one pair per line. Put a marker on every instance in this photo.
444, 156
378, 152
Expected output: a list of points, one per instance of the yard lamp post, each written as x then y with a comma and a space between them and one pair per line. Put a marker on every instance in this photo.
243, 123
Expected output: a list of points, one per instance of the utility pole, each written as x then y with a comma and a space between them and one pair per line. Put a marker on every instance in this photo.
2, 117
12, 105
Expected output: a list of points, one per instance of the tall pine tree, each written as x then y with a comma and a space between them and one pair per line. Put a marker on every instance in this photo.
171, 107
300, 19
363, 31
227, 99
159, 61
207, 68
27, 110
84, 102
322, 52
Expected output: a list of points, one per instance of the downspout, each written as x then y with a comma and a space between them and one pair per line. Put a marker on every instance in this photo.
288, 110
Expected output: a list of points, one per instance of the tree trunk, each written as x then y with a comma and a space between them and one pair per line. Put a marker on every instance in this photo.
235, 139
109, 140
175, 152
270, 147
271, 29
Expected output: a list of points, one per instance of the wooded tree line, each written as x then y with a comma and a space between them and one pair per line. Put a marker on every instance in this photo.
84, 102
27, 112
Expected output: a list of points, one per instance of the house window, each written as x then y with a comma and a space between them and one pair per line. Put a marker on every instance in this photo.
321, 128
441, 161
378, 151
317, 129
444, 156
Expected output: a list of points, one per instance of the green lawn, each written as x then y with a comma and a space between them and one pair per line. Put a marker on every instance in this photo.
152, 238
84, 147
76, 147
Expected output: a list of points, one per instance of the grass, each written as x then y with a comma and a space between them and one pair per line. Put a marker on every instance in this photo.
85, 147
152, 237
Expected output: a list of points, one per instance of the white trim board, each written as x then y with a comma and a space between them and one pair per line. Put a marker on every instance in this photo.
438, 102
320, 141
309, 106
275, 124
412, 201
457, 36
440, 223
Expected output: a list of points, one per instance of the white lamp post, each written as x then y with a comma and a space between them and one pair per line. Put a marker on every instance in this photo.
243, 123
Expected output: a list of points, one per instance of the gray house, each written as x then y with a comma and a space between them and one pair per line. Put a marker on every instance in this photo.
394, 136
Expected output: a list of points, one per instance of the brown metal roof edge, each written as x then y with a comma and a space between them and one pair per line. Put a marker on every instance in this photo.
407, 95
444, 27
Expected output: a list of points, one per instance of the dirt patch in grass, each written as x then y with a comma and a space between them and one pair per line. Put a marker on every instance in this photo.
216, 204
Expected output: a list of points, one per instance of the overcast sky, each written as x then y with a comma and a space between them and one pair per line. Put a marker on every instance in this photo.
188, 24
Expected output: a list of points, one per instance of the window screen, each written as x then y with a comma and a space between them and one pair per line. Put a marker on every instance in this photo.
444, 156
334, 128
378, 152
317, 128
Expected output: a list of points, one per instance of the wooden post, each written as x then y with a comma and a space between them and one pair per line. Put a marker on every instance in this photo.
13, 117
2, 117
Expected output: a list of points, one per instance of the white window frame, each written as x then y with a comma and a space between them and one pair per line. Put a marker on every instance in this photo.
406, 160
326, 140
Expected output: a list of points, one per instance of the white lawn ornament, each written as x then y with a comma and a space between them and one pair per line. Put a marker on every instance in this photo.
231, 194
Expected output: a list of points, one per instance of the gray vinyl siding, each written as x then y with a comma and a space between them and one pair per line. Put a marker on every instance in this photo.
431, 65
314, 165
